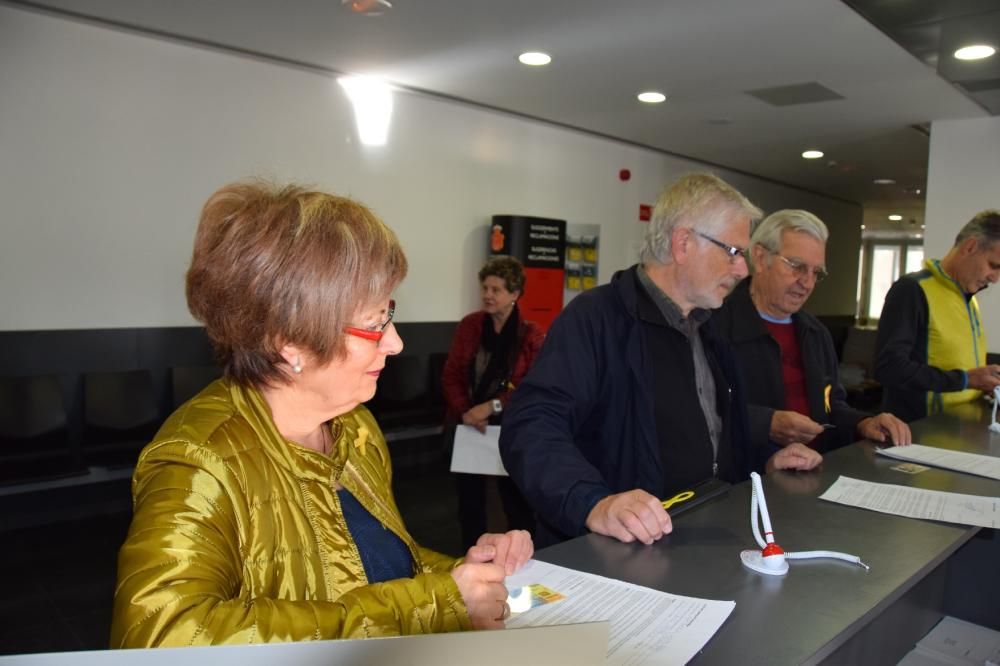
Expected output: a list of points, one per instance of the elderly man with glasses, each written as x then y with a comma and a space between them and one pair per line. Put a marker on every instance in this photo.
786, 354
633, 397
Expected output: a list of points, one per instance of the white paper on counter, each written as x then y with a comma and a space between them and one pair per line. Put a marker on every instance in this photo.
915, 502
647, 626
970, 463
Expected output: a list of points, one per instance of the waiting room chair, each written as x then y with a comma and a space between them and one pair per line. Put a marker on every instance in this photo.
34, 438
857, 369
121, 415
401, 399
187, 381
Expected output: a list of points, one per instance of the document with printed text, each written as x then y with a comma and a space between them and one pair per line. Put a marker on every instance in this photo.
647, 626
970, 463
915, 502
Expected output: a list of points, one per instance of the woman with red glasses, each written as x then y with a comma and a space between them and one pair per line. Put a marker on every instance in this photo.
263, 508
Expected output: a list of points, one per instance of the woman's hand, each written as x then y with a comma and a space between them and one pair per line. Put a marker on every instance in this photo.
510, 550
479, 416
484, 594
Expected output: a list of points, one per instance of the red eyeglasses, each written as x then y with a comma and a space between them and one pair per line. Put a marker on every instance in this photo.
375, 331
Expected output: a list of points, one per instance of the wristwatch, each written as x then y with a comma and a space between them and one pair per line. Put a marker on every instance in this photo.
497, 406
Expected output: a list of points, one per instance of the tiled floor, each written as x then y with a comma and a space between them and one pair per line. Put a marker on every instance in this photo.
59, 577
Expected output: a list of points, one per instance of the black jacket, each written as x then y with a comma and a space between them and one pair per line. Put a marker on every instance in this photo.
584, 423
759, 358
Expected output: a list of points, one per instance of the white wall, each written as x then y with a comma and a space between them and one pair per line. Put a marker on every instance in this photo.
110, 142
963, 178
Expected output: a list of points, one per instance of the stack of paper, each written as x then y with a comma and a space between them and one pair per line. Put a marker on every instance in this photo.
970, 463
647, 626
956, 643
915, 502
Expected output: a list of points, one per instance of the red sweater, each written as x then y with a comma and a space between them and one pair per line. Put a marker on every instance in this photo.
455, 378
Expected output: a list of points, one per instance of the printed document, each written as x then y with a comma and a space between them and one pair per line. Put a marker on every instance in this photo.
970, 463
915, 502
647, 626
477, 453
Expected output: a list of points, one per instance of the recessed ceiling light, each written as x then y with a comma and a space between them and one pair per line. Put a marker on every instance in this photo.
975, 52
895, 218
812, 154
884, 181
862, 227
534, 58
651, 97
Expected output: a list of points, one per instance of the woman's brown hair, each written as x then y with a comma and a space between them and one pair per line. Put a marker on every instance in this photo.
276, 265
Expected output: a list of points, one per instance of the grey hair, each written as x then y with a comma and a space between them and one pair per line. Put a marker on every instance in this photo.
985, 226
768, 232
696, 200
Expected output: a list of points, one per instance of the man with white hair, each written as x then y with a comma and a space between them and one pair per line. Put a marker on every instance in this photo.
786, 354
633, 397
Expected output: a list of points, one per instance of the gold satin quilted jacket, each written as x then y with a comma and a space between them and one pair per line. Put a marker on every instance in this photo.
238, 536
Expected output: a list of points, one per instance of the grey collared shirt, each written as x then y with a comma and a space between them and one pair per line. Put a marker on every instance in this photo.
688, 326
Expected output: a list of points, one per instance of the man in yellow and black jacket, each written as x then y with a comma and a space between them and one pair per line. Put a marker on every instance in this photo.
931, 346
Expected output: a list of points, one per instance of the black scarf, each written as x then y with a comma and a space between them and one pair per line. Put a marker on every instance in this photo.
501, 349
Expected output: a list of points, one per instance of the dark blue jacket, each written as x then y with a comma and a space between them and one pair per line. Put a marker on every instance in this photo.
759, 356
582, 425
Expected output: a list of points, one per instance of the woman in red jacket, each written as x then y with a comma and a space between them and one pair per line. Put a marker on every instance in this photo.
491, 352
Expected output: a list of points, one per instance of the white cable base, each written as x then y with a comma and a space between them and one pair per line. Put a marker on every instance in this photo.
771, 559
752, 559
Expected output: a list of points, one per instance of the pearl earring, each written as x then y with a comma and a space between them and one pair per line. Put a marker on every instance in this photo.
297, 368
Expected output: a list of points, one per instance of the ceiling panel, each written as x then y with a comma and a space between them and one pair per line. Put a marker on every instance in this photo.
703, 54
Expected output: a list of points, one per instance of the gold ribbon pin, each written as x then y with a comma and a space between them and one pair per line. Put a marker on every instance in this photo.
826, 397
362, 439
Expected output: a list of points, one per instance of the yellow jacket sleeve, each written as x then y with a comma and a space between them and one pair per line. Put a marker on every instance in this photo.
185, 576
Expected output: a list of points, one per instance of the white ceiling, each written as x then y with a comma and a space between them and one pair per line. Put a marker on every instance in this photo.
703, 54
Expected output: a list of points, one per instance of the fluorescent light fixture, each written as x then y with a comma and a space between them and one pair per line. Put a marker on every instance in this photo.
812, 154
651, 97
372, 101
975, 52
895, 218
534, 58
884, 181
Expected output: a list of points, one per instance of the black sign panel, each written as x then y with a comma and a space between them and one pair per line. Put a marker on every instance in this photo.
538, 242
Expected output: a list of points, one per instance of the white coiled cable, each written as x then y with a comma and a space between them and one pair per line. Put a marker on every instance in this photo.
757, 501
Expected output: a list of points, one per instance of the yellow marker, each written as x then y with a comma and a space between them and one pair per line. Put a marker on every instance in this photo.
826, 397
678, 498
361, 439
